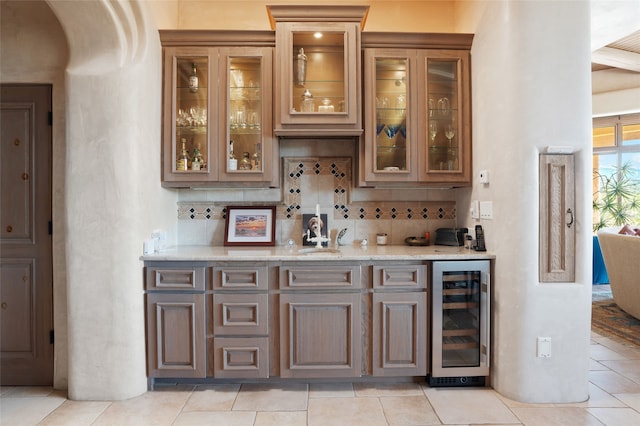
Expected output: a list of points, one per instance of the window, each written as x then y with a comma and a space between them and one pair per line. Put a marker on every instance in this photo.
616, 167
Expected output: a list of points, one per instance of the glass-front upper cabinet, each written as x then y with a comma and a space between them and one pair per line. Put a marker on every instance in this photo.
246, 127
318, 69
390, 151
445, 112
187, 106
218, 124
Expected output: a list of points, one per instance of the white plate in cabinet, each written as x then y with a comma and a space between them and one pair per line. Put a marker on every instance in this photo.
241, 357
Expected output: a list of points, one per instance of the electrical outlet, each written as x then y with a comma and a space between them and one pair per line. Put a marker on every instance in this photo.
475, 209
544, 347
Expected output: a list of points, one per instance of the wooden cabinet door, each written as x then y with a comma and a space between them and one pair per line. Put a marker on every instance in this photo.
444, 93
557, 218
188, 115
320, 335
245, 88
318, 58
389, 153
176, 335
399, 334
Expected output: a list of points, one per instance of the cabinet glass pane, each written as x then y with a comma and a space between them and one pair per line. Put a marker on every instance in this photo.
318, 85
245, 115
191, 115
443, 115
461, 319
391, 115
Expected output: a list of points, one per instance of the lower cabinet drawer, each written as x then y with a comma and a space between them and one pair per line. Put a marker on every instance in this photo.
241, 357
240, 314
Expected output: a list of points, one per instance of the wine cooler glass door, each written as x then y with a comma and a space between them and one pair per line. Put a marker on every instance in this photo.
460, 319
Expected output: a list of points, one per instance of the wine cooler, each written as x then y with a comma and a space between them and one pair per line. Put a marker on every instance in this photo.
460, 324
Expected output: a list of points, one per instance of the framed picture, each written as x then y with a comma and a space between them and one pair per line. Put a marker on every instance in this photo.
250, 226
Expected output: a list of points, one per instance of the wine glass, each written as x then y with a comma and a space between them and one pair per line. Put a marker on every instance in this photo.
433, 131
450, 132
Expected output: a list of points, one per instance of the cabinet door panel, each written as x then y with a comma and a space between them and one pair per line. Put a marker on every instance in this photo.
246, 115
444, 117
188, 111
557, 212
391, 137
399, 334
176, 335
320, 335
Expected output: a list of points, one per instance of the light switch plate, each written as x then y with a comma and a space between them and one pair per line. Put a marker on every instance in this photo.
486, 209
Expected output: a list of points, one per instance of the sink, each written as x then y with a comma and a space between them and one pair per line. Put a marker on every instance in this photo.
318, 250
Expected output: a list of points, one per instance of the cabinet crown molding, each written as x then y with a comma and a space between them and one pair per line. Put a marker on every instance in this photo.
306, 13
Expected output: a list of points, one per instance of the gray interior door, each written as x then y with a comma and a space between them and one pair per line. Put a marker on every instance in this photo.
26, 285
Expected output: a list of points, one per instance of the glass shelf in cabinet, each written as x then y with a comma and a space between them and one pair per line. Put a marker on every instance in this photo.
191, 130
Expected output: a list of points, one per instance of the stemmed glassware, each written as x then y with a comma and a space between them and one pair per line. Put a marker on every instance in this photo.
450, 132
433, 131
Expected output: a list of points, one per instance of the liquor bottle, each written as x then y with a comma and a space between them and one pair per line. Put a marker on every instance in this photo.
203, 163
195, 163
255, 158
182, 164
245, 162
233, 161
193, 79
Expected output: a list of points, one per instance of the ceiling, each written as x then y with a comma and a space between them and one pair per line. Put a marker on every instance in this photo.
615, 35
623, 53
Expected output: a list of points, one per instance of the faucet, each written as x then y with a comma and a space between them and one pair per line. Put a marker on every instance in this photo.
340, 235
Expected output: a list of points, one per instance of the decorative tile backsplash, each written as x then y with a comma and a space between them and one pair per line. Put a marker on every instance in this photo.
325, 181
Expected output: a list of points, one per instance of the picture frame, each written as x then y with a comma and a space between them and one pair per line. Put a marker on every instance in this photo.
250, 226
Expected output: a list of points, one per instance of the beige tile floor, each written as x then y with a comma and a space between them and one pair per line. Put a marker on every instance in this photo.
614, 400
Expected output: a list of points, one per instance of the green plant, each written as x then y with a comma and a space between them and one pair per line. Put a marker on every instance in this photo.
616, 200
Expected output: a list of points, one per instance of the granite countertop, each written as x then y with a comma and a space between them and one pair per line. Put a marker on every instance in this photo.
285, 253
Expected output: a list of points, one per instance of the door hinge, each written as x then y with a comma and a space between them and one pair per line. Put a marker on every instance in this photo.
51, 337
50, 228
50, 118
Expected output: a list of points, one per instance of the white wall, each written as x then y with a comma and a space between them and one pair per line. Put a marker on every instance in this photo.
531, 88
112, 197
